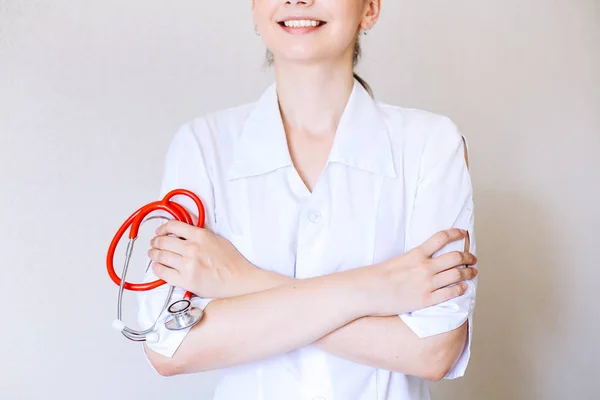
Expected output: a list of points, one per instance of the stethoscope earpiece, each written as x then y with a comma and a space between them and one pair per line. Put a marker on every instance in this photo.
118, 325
152, 337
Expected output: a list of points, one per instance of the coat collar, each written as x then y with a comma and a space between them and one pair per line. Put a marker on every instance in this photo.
361, 141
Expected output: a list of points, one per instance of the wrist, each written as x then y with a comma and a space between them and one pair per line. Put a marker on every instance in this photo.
359, 286
260, 279
368, 287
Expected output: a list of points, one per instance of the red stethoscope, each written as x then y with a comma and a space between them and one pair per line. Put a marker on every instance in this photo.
181, 314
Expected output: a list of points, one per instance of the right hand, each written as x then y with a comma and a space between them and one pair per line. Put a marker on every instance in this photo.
414, 280
200, 261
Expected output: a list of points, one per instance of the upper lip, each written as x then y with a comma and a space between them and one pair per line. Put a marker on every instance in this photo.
299, 18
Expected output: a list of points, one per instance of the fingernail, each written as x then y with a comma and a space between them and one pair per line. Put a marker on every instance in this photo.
462, 231
156, 231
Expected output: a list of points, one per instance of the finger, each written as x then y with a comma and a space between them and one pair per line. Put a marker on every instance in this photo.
452, 259
452, 276
447, 293
169, 275
177, 228
170, 243
441, 239
167, 258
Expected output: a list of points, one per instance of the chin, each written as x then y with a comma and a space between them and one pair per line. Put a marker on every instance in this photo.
302, 56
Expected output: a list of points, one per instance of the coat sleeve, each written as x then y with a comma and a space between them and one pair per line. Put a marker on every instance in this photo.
185, 167
444, 199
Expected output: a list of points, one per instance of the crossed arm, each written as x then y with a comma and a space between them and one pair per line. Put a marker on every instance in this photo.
335, 324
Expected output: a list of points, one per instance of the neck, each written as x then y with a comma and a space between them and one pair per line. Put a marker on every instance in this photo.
312, 98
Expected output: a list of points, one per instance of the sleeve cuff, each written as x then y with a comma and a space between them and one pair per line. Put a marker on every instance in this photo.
443, 317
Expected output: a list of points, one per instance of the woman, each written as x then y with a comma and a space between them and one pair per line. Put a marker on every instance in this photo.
333, 264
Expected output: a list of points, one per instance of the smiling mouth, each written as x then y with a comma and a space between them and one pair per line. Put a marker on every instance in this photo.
301, 25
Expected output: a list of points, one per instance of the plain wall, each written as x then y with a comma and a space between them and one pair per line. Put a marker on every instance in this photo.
91, 93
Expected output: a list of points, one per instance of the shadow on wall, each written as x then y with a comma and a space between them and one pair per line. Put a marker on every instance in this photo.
518, 300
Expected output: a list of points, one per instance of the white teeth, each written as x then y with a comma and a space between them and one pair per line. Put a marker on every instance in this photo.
301, 23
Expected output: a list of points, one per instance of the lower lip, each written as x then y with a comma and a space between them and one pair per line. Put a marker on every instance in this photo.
302, 30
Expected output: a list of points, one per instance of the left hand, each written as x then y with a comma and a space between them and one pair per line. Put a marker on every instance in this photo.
197, 260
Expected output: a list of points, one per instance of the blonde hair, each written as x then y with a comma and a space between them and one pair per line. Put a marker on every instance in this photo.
355, 59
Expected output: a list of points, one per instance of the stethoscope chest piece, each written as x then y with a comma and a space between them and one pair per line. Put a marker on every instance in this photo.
182, 315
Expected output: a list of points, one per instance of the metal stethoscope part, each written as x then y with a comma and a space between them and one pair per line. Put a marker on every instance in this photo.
181, 313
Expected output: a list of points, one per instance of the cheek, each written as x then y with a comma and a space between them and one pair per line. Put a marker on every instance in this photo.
264, 10
259, 19
348, 10
343, 34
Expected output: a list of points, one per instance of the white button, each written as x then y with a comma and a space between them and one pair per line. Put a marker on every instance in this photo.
314, 217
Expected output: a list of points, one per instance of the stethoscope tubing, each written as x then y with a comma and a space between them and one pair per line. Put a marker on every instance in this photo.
135, 220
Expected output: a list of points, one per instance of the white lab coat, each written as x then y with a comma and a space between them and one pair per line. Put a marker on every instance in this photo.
394, 177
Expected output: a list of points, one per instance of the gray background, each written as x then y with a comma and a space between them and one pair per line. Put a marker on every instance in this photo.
91, 93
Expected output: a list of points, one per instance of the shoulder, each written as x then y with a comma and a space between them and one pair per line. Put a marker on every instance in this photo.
209, 140
421, 131
218, 125
213, 132
418, 126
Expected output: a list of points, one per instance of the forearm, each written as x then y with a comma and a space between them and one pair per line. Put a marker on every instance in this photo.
388, 343
383, 342
254, 326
